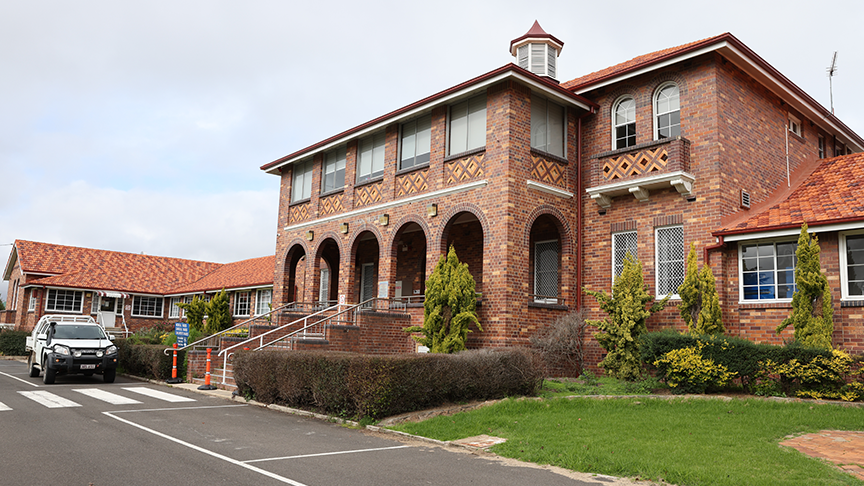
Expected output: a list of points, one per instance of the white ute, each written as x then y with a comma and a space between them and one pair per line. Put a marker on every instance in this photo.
68, 345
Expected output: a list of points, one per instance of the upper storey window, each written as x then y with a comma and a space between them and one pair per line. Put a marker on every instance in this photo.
370, 164
301, 187
416, 142
625, 123
468, 125
667, 112
334, 170
547, 126
794, 125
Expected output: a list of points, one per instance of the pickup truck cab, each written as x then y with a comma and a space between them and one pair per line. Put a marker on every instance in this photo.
70, 345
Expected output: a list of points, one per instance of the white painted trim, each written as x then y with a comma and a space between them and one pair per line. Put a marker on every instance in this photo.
655, 115
794, 231
555, 191
844, 274
774, 242
381, 207
613, 120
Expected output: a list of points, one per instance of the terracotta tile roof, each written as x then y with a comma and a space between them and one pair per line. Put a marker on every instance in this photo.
89, 268
246, 273
833, 193
636, 63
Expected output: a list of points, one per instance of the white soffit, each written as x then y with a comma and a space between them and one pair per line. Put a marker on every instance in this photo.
794, 231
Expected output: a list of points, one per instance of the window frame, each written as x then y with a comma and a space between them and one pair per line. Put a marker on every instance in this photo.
545, 147
774, 242
468, 121
172, 306
308, 168
240, 302
537, 275
258, 301
821, 146
428, 155
360, 177
31, 306
80, 295
683, 261
615, 125
156, 299
657, 114
334, 158
615, 264
844, 265
794, 125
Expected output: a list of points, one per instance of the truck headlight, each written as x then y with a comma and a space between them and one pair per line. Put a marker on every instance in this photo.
61, 349
111, 350
99, 353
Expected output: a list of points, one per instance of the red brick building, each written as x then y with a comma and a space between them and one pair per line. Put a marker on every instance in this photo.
125, 291
542, 187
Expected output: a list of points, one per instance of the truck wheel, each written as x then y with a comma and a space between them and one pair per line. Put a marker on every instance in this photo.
109, 375
34, 371
48, 377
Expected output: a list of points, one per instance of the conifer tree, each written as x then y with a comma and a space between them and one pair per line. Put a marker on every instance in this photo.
812, 304
194, 312
628, 308
218, 313
449, 307
700, 304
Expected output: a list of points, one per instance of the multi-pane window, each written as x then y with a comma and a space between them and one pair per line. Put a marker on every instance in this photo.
94, 304
263, 301
667, 112
768, 270
64, 300
625, 123
32, 306
301, 187
546, 271
794, 125
143, 306
241, 304
468, 125
416, 143
670, 260
370, 160
852, 266
622, 244
547, 126
174, 311
334, 170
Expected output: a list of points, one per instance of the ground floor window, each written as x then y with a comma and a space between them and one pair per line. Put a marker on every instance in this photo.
263, 301
64, 301
546, 271
852, 265
622, 244
174, 310
768, 270
32, 306
670, 260
143, 306
241, 304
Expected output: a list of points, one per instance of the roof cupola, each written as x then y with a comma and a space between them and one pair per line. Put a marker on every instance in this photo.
537, 51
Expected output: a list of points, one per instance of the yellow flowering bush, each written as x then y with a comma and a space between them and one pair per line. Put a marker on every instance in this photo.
821, 378
687, 371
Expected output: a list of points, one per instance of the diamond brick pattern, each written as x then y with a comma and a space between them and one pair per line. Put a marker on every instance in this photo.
331, 204
548, 171
298, 213
461, 170
412, 183
635, 163
368, 194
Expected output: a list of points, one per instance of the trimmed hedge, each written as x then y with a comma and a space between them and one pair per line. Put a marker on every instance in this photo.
12, 343
737, 355
355, 385
148, 360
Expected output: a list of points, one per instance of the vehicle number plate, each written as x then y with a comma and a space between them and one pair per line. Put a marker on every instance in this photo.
88, 367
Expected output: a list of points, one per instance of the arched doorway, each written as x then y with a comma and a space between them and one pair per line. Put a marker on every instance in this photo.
328, 272
366, 254
294, 275
409, 251
465, 233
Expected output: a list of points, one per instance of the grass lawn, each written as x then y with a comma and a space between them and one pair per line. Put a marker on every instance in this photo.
683, 441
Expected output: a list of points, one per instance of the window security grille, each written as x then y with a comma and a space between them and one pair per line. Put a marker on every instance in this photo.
546, 271
324, 288
670, 260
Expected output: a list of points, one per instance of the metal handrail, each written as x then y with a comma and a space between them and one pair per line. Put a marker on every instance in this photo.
220, 333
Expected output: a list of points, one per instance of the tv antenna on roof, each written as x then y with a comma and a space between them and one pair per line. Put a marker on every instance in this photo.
831, 70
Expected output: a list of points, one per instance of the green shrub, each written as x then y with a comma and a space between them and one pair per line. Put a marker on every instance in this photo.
688, 371
147, 360
218, 313
700, 304
12, 343
354, 385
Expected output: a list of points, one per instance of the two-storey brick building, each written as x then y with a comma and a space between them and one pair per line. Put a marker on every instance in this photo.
542, 188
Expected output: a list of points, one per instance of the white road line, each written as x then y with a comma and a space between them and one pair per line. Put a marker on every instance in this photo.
19, 379
105, 396
4, 407
327, 454
175, 409
159, 394
49, 399
208, 452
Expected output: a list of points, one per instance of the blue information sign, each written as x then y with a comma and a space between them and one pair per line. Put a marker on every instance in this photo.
181, 330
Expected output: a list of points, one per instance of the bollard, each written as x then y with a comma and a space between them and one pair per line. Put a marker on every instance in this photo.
174, 378
207, 385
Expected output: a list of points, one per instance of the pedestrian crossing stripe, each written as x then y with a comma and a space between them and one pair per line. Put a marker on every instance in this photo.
4, 407
106, 396
49, 399
159, 394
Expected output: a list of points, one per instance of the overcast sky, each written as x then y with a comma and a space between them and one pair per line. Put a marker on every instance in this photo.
140, 126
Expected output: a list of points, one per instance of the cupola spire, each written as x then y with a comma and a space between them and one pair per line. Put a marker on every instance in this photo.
537, 51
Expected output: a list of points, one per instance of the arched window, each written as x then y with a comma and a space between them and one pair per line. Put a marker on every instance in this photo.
667, 112
624, 121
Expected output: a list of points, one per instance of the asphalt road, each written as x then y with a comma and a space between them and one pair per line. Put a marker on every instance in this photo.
81, 431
